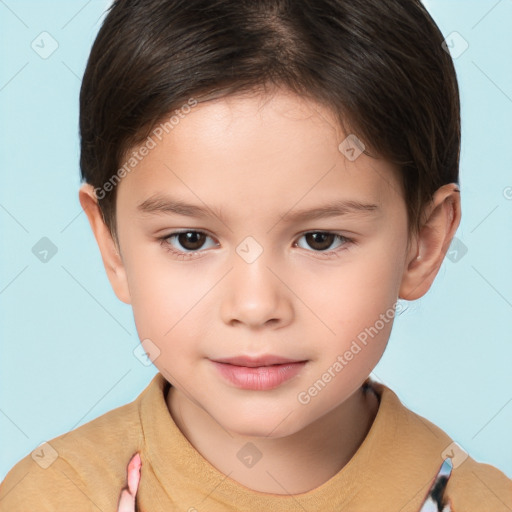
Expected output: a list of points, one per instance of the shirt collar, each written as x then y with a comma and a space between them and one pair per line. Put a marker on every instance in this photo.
389, 459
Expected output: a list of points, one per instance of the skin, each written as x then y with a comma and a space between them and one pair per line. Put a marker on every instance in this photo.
255, 158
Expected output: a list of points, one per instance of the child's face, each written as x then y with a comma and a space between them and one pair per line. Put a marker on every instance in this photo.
255, 160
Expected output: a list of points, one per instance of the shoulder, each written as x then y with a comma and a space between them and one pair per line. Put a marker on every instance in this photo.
477, 486
83, 469
472, 485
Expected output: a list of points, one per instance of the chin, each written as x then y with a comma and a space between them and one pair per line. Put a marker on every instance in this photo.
265, 426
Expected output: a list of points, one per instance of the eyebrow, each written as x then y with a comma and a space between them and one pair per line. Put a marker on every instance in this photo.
161, 204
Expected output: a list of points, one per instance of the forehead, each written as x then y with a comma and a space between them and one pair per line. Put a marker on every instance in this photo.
258, 150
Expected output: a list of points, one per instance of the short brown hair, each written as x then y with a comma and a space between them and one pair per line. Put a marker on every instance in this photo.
379, 65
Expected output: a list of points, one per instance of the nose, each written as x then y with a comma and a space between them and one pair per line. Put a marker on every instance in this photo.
255, 294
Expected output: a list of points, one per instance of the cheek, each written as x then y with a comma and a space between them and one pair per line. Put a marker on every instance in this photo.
156, 292
362, 288
358, 307
167, 298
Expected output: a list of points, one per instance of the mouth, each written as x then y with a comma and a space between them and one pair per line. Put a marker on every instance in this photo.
256, 362
258, 374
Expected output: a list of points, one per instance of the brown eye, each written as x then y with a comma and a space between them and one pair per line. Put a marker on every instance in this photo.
320, 241
190, 240
186, 244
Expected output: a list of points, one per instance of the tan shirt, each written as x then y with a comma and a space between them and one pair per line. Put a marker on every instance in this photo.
393, 469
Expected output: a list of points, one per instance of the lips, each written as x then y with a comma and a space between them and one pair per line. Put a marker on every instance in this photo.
258, 373
254, 362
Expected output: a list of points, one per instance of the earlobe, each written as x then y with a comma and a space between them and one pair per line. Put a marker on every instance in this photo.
427, 254
110, 254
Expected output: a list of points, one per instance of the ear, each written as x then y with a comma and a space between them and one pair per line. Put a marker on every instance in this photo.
110, 253
430, 245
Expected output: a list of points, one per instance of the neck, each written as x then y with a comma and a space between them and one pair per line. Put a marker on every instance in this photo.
293, 464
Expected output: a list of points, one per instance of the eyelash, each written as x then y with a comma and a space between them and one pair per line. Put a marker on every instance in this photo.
192, 254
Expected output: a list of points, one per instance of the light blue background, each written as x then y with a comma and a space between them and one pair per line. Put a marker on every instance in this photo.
67, 342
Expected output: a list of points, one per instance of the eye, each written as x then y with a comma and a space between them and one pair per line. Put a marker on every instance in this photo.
322, 240
190, 240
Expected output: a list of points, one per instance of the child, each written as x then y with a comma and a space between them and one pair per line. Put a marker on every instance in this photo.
223, 144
